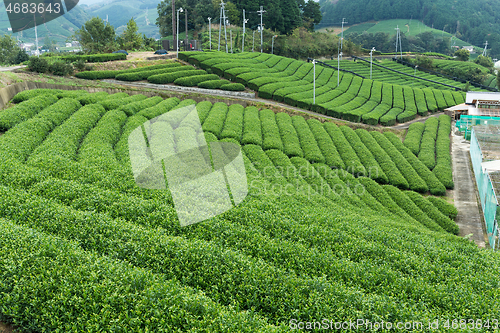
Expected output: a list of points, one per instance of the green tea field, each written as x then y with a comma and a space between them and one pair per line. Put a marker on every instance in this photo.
339, 224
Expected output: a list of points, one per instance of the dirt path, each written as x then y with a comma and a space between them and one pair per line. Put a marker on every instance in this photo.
468, 218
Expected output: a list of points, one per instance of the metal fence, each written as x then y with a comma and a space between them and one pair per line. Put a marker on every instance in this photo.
487, 188
465, 123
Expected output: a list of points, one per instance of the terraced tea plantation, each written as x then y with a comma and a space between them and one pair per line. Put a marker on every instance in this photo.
418, 78
170, 72
351, 98
338, 224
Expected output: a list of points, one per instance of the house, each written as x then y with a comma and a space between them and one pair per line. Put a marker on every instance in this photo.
477, 103
469, 48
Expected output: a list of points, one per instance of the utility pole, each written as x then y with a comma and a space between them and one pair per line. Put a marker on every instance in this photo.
210, 32
187, 35
272, 44
342, 38
261, 12
224, 19
220, 21
314, 81
371, 61
253, 42
338, 68
173, 25
178, 10
36, 37
398, 39
485, 48
243, 38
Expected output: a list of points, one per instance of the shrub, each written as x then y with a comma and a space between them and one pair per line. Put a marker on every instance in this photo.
427, 153
348, 155
171, 77
234, 123
444, 207
435, 186
403, 200
233, 87
212, 84
308, 143
291, 144
190, 81
61, 68
24, 110
134, 107
433, 213
216, 118
415, 182
27, 94
270, 132
386, 163
39, 65
414, 136
325, 144
252, 130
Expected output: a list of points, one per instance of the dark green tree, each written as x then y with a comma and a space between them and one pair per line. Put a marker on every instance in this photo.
462, 55
8, 50
131, 38
96, 37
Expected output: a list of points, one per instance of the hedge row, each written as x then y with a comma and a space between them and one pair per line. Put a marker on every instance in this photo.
111, 74
435, 186
414, 136
348, 155
171, 77
24, 110
427, 153
270, 132
252, 130
194, 80
94, 57
21, 140
373, 117
389, 119
403, 200
143, 75
443, 168
386, 163
234, 123
444, 207
378, 192
93, 98
97, 147
307, 140
27, 94
374, 170
115, 103
415, 182
233, 87
325, 144
216, 118
212, 84
203, 109
433, 213
134, 107
64, 140
289, 137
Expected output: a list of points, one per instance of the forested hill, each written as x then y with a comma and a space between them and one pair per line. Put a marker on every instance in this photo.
474, 21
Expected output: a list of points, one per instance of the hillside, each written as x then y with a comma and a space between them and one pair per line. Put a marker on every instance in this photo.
119, 13
472, 21
306, 243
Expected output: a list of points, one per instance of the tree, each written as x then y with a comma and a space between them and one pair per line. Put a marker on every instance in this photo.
131, 38
462, 55
49, 44
8, 50
484, 61
311, 14
96, 37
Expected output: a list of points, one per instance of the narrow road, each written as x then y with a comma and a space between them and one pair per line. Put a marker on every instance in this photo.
11, 68
468, 218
